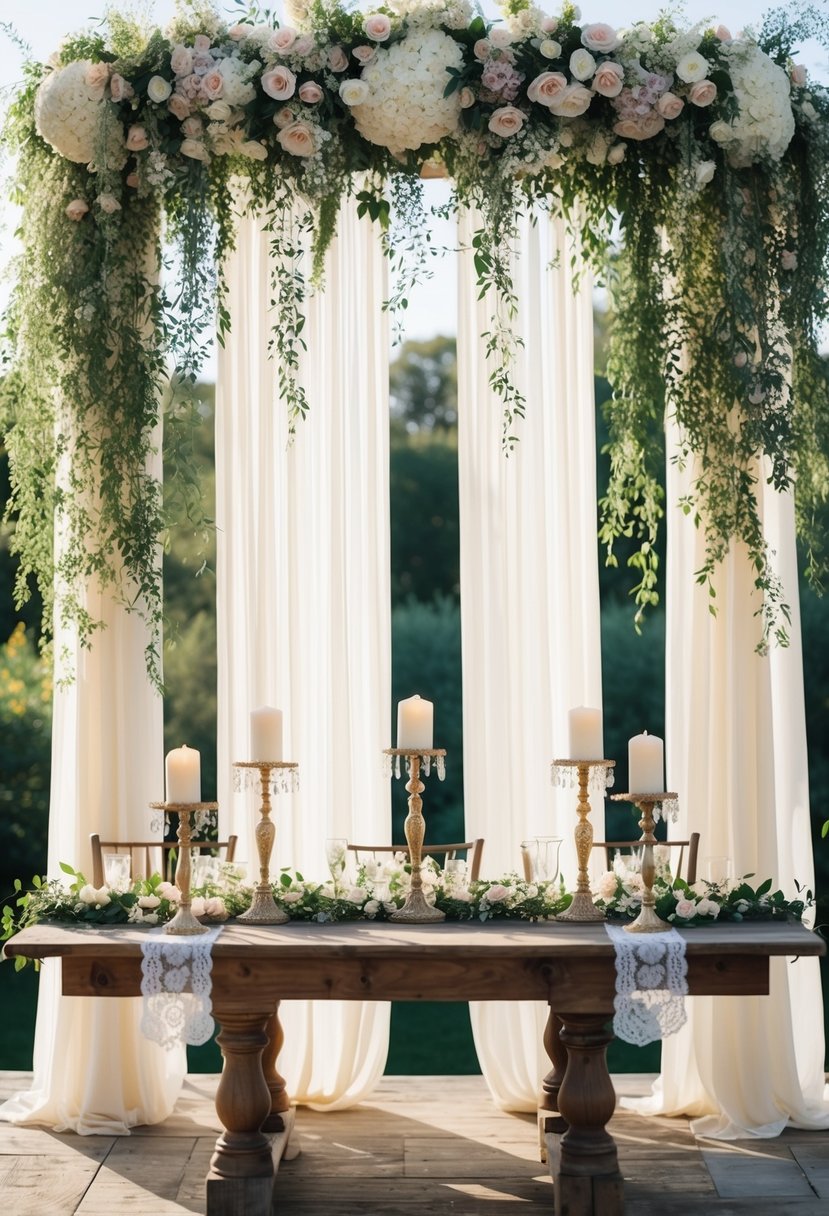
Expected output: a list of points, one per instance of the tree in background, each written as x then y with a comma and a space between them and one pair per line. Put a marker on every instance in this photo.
423, 384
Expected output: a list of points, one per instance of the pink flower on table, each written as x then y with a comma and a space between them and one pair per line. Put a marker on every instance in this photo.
670, 106
607, 885
377, 27
364, 54
337, 59
310, 92
686, 908
137, 139
179, 106
609, 79
547, 87
181, 61
282, 39
298, 139
292, 897
201, 44
213, 85
119, 88
702, 93
279, 83
497, 892
600, 38
506, 121
77, 209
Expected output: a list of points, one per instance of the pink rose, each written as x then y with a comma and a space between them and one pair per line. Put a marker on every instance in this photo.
573, 102
364, 54
192, 127
788, 260
799, 75
179, 106
310, 92
500, 38
686, 908
643, 127
466, 98
237, 32
213, 84
77, 209
201, 44
549, 25
377, 27
506, 121
195, 149
547, 87
120, 89
97, 74
481, 49
279, 83
181, 61
601, 38
282, 39
303, 45
670, 106
702, 93
298, 139
284, 117
133, 181
337, 59
497, 892
723, 33
137, 139
609, 79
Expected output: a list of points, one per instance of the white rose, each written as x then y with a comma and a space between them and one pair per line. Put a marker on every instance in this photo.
108, 203
88, 894
601, 38
214, 907
354, 92
148, 901
500, 38
377, 27
550, 49
158, 89
616, 154
253, 150
219, 111
692, 67
705, 171
720, 132
292, 897
371, 908
195, 149
582, 64
506, 121
574, 101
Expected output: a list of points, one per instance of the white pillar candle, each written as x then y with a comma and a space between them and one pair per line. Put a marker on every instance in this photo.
415, 724
646, 765
183, 770
586, 734
266, 733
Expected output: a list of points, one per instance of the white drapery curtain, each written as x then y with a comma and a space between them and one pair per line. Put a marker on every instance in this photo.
107, 766
529, 591
736, 753
303, 598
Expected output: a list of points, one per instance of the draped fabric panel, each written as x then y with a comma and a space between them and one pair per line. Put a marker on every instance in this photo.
107, 766
736, 753
529, 592
303, 598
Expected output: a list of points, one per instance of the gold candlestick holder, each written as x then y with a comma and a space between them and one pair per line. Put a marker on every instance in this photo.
416, 910
184, 922
279, 776
647, 921
582, 909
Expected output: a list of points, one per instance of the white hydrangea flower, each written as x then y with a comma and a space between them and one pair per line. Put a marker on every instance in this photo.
764, 126
406, 106
67, 111
237, 89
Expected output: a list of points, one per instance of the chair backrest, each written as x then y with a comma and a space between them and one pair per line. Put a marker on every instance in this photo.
473, 849
152, 856
688, 854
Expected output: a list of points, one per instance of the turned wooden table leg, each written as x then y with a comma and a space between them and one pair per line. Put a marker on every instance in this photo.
241, 1169
280, 1102
587, 1178
558, 1054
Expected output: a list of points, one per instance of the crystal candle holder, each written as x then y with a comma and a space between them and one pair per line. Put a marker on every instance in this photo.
416, 910
598, 775
184, 922
269, 776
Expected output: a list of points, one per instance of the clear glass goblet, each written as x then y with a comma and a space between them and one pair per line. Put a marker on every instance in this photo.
336, 854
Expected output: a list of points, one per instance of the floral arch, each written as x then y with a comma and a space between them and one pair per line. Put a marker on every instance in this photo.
708, 154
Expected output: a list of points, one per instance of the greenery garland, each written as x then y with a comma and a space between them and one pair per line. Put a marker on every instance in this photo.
708, 154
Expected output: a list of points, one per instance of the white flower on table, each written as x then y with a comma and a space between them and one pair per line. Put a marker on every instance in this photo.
97, 897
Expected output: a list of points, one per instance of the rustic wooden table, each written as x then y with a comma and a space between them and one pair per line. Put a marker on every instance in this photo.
570, 966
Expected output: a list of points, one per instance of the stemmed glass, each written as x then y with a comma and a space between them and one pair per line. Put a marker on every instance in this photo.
336, 852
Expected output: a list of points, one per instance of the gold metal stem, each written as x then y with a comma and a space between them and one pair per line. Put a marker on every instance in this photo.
184, 922
416, 909
263, 909
647, 921
582, 907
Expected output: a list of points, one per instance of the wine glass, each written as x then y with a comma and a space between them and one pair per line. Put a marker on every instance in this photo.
336, 850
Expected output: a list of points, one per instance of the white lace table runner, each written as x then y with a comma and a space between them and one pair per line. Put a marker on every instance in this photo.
176, 983
651, 984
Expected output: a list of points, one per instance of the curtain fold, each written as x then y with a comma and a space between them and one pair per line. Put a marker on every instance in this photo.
736, 753
303, 597
529, 590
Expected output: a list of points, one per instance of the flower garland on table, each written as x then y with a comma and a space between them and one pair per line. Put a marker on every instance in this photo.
712, 152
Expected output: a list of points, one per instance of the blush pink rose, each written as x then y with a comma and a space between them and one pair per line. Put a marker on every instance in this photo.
670, 106
303, 45
97, 74
549, 25
573, 102
466, 98
201, 44
600, 37
284, 117
77, 209
120, 89
497, 892
181, 61
298, 139
364, 54
500, 38
506, 121
723, 33
702, 93
646, 126
192, 127
609, 79
237, 32
310, 92
282, 39
547, 87
481, 49
279, 83
377, 27
686, 908
179, 106
133, 181
799, 75
337, 59
213, 85
137, 139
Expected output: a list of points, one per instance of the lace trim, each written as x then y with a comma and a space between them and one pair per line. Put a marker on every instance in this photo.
176, 984
651, 984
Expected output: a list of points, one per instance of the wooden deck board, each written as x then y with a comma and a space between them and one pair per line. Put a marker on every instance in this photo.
422, 1146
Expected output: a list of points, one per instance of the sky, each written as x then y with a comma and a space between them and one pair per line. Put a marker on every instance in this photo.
432, 307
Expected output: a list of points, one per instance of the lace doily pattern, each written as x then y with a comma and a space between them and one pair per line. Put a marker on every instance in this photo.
651, 984
176, 984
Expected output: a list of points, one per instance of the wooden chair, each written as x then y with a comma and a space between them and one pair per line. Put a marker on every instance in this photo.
151, 856
472, 848
691, 844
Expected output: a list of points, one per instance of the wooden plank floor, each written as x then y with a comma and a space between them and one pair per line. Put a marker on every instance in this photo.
421, 1145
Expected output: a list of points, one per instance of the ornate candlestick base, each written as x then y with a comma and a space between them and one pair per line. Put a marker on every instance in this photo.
184, 921
582, 909
647, 921
279, 776
416, 909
